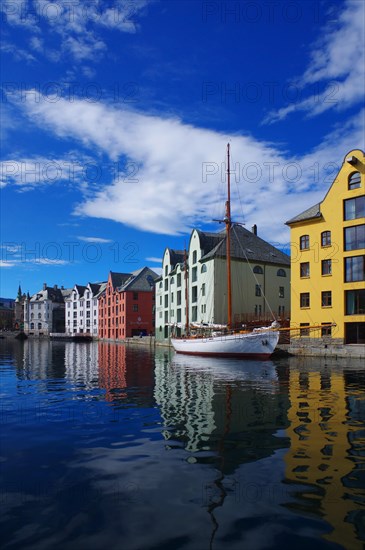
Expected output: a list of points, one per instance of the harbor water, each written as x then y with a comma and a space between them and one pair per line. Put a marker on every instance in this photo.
111, 446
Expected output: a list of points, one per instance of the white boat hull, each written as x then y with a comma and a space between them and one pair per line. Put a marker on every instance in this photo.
258, 345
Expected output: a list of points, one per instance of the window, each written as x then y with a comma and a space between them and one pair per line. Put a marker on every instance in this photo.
281, 273
354, 237
326, 267
160, 284
304, 331
258, 269
326, 238
355, 302
304, 269
258, 290
39, 326
258, 309
194, 257
194, 313
194, 294
166, 301
354, 180
75, 305
178, 315
281, 292
172, 281
326, 329
135, 295
354, 208
203, 269
135, 307
194, 274
166, 270
304, 299
178, 279
172, 297
327, 298
354, 269
281, 311
204, 308
203, 289
88, 303
304, 242
178, 298
32, 325
166, 284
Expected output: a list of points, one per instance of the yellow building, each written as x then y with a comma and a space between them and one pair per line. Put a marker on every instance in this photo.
328, 258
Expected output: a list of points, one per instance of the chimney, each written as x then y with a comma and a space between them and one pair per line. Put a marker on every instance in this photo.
55, 287
254, 229
44, 286
62, 287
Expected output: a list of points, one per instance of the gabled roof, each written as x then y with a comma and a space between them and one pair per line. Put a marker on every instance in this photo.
245, 245
140, 280
309, 214
119, 279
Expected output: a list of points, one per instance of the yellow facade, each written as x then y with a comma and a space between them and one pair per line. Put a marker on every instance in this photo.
328, 257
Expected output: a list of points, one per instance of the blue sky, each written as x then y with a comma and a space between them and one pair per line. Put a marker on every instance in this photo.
116, 115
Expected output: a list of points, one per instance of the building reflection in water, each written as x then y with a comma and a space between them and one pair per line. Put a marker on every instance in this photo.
327, 451
221, 405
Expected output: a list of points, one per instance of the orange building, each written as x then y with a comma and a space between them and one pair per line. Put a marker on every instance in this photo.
126, 307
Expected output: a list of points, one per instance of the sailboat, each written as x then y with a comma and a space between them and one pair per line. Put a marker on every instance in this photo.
225, 342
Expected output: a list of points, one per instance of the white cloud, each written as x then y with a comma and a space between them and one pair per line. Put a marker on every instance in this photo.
174, 169
337, 65
77, 24
94, 240
153, 259
6, 263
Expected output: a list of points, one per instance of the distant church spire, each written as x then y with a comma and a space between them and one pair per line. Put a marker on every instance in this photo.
19, 295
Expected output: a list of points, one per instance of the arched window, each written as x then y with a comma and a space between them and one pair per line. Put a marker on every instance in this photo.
172, 281
258, 269
326, 238
304, 242
39, 326
203, 269
39, 316
354, 180
281, 273
32, 325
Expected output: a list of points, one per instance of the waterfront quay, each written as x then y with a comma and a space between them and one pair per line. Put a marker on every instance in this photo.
114, 445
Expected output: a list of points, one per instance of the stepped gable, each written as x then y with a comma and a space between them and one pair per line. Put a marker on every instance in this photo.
245, 245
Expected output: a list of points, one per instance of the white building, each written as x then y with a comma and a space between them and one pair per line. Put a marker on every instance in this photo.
81, 312
44, 312
260, 282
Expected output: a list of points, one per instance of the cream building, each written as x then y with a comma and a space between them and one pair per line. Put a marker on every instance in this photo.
260, 282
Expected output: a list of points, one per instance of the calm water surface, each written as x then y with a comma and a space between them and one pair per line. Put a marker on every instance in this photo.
105, 446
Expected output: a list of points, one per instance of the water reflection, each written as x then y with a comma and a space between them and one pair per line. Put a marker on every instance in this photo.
168, 451
327, 451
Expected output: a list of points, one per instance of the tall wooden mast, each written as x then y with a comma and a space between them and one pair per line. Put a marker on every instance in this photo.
228, 222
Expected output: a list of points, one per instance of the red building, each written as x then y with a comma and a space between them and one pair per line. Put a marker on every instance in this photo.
127, 306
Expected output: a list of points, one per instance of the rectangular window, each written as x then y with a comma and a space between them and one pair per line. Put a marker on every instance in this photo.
326, 238
178, 314
281, 311
166, 301
354, 208
194, 313
178, 279
327, 298
204, 308
304, 269
178, 298
355, 302
354, 237
326, 267
258, 290
304, 242
304, 299
326, 329
135, 307
166, 284
194, 274
172, 297
194, 294
281, 292
88, 303
354, 269
304, 331
135, 295
203, 289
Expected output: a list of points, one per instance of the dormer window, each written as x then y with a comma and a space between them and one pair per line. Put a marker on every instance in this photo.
354, 180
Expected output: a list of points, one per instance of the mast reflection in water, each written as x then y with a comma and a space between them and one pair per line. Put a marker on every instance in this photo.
111, 446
